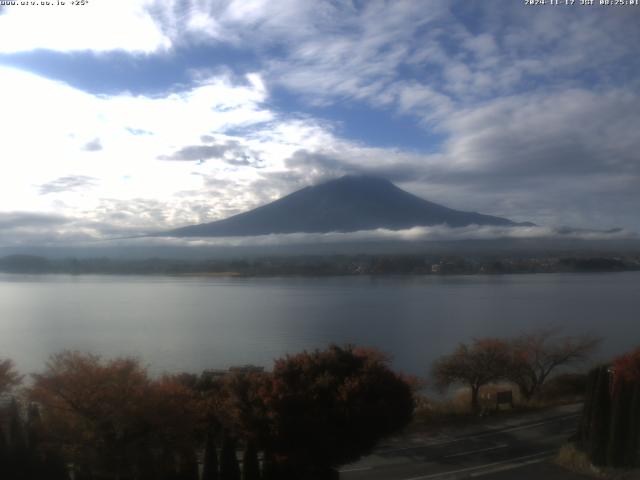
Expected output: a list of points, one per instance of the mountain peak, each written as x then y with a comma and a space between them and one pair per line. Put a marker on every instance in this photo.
356, 182
358, 179
346, 204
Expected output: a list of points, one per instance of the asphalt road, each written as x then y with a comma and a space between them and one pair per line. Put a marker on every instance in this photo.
514, 447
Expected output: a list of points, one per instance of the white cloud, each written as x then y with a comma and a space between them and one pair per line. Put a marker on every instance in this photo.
437, 233
498, 159
125, 184
49, 124
565, 157
517, 145
100, 25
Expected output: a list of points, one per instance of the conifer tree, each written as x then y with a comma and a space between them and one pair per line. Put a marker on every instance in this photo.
599, 424
229, 468
55, 466
17, 455
632, 449
34, 426
146, 468
188, 465
584, 427
4, 454
269, 467
167, 465
16, 430
609, 430
250, 464
210, 464
620, 406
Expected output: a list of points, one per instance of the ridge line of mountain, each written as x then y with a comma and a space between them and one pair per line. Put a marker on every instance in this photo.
346, 204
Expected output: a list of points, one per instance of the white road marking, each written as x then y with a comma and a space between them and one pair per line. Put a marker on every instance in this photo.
509, 462
479, 450
524, 427
508, 467
355, 469
474, 437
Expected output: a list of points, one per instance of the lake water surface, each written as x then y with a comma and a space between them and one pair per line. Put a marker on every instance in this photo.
181, 323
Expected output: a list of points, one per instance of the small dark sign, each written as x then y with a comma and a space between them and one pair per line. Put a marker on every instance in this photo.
503, 398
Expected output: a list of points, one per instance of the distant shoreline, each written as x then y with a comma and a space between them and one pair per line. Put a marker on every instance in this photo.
323, 266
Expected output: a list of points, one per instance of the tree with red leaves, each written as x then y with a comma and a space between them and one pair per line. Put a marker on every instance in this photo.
9, 377
610, 427
537, 354
109, 415
486, 360
242, 409
628, 366
330, 407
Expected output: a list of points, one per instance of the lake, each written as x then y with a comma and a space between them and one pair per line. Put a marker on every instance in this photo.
193, 323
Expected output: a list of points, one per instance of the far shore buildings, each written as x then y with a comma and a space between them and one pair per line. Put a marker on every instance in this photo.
215, 374
8, 410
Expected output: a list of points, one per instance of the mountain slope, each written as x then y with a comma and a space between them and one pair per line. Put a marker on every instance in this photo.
347, 204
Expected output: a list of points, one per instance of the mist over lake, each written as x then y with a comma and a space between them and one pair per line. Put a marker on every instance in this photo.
194, 323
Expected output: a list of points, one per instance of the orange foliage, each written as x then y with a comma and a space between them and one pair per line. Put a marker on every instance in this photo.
347, 397
484, 361
628, 366
9, 378
242, 408
108, 413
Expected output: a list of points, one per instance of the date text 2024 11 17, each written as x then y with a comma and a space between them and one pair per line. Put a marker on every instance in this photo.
582, 2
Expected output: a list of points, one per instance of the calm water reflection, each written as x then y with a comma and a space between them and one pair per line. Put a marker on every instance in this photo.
178, 324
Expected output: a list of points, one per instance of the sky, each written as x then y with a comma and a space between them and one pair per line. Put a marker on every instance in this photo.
120, 117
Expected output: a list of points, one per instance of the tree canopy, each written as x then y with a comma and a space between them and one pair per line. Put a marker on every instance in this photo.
330, 407
109, 415
111, 419
526, 360
535, 355
9, 377
484, 361
627, 366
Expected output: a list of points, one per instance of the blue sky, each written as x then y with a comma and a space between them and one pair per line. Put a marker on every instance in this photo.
121, 117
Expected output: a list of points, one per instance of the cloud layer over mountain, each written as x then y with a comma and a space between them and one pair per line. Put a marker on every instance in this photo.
197, 110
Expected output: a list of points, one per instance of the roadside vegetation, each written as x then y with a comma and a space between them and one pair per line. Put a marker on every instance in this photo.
607, 444
108, 419
525, 362
97, 418
454, 409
